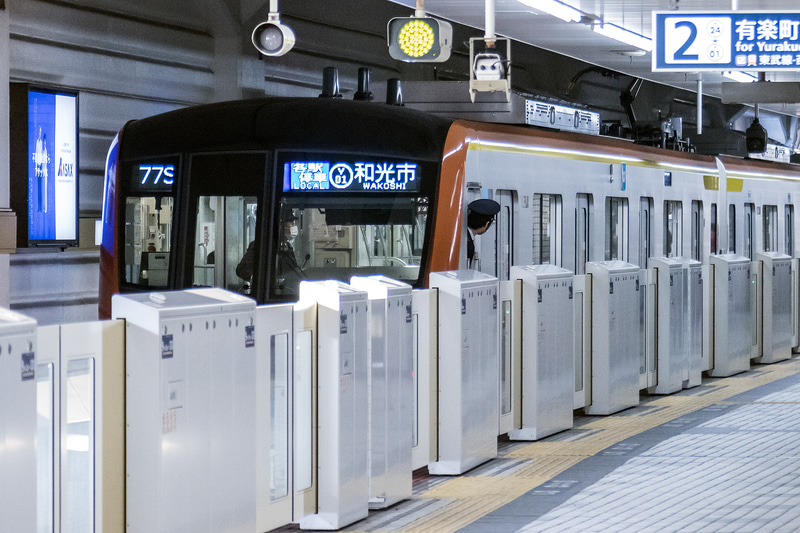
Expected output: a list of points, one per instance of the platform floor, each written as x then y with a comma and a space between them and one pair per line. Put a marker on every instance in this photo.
722, 457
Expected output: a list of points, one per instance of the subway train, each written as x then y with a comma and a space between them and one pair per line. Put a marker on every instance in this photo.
255, 195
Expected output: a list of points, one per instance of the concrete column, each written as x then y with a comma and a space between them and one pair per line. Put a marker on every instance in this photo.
8, 226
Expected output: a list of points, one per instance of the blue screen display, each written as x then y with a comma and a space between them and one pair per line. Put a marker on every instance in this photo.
351, 176
52, 166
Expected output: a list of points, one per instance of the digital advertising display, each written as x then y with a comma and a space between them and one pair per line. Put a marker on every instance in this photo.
722, 41
52, 167
340, 175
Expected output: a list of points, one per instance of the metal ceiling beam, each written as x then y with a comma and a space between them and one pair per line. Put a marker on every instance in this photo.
761, 92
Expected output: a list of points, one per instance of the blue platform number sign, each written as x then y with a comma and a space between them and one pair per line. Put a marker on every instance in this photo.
734, 40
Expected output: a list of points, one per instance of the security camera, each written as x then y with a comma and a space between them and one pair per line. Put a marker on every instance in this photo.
272, 38
756, 138
488, 67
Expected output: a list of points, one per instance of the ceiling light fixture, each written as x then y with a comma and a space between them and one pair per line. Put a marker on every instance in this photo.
622, 35
565, 12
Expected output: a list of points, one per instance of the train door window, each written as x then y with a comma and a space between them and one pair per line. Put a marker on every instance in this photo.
645, 230
616, 247
224, 190
546, 232
504, 233
749, 230
789, 235
770, 227
148, 227
583, 204
697, 230
673, 228
732, 229
225, 252
713, 230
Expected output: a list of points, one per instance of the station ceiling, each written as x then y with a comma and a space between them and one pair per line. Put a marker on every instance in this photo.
519, 21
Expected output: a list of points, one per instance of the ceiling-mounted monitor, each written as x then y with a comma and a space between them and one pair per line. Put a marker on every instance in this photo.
44, 165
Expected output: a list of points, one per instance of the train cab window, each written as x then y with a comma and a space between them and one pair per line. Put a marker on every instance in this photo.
713, 230
148, 227
789, 235
770, 228
645, 230
673, 228
732, 228
616, 247
697, 230
547, 229
336, 237
749, 230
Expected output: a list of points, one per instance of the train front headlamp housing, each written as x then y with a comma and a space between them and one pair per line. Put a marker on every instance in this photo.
419, 39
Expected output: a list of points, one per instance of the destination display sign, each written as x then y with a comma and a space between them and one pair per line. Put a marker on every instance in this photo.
721, 41
154, 176
351, 176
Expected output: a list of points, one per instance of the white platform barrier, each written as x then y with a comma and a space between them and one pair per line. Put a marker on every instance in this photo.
468, 370
774, 302
390, 388
18, 422
547, 351
343, 395
190, 411
731, 317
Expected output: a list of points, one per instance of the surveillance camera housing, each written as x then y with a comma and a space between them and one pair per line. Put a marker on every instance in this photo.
756, 138
271, 38
489, 67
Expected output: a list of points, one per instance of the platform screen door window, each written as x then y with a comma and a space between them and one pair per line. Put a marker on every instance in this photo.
673, 228
546, 232
582, 205
148, 226
770, 227
645, 230
279, 416
749, 230
697, 230
789, 235
616, 243
77, 494
45, 447
226, 225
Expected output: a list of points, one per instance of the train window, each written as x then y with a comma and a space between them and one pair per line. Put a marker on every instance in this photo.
148, 226
713, 230
645, 230
337, 237
225, 253
583, 204
789, 235
749, 230
616, 229
770, 228
732, 229
673, 228
547, 229
697, 230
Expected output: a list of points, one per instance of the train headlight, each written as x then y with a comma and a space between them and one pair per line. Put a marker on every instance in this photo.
419, 39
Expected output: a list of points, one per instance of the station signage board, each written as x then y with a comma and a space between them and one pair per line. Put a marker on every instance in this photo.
721, 41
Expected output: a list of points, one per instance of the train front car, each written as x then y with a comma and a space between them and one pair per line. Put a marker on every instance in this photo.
255, 195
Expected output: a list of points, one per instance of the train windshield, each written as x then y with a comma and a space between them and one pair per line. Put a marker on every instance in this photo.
336, 237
